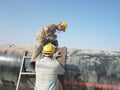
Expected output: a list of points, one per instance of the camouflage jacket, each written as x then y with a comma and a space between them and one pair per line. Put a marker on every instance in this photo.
47, 34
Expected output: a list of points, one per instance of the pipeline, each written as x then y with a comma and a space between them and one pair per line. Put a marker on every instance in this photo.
10, 62
85, 70
92, 70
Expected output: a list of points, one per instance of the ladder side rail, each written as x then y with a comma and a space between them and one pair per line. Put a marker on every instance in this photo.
21, 67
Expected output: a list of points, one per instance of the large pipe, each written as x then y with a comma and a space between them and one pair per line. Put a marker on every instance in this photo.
85, 70
10, 62
92, 70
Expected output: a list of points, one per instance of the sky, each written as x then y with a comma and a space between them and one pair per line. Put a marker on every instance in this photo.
92, 24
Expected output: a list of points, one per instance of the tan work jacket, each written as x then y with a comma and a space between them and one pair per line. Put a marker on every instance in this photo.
46, 34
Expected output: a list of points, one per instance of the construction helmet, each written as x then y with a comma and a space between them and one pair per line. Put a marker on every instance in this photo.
48, 49
64, 24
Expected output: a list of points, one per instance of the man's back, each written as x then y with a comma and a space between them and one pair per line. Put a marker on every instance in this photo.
46, 73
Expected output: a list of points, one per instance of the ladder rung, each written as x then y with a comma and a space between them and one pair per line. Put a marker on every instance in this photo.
27, 57
27, 73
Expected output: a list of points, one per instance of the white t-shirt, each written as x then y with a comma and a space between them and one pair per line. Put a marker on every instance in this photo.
47, 71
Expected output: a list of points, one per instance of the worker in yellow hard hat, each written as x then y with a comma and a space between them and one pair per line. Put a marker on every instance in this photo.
47, 70
45, 35
63, 25
48, 50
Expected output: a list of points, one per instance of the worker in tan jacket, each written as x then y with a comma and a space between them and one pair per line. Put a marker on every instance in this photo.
44, 36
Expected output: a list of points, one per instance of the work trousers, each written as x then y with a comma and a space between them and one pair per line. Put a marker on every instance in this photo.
37, 52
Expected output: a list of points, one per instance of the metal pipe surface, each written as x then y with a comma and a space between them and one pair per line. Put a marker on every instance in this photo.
10, 62
85, 70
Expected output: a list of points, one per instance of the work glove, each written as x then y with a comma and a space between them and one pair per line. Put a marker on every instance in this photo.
58, 54
55, 43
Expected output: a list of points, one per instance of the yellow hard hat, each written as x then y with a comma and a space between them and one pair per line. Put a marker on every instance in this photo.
48, 49
64, 24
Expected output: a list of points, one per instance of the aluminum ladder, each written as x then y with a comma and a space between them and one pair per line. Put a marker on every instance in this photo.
21, 68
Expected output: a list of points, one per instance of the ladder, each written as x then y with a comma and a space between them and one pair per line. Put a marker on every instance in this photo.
21, 68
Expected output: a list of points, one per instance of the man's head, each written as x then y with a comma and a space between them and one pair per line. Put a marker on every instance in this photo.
48, 50
62, 26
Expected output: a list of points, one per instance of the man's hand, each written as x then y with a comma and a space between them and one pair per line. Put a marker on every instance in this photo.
58, 54
55, 43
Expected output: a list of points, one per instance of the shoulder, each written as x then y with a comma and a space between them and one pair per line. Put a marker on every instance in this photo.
45, 59
51, 25
56, 62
